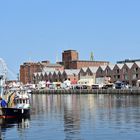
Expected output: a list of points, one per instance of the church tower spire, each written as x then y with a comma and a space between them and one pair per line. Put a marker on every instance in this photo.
91, 56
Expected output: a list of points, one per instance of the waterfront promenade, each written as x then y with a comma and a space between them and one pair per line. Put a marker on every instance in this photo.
88, 91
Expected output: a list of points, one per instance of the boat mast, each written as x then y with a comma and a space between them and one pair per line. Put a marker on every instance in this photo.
2, 82
3, 75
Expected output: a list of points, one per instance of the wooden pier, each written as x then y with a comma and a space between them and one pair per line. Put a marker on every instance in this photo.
88, 91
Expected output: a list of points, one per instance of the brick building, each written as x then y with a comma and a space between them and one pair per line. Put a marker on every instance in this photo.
126, 72
84, 63
70, 60
29, 68
56, 76
67, 57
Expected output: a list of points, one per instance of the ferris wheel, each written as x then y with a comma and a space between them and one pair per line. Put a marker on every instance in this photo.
3, 69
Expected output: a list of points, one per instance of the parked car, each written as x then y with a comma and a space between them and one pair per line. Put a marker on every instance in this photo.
80, 87
95, 86
108, 86
119, 85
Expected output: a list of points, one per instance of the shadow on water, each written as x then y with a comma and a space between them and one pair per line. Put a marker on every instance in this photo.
9, 123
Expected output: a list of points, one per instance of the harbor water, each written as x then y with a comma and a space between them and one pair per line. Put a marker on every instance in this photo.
77, 117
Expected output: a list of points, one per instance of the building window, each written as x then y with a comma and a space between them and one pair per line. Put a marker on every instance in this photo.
107, 71
125, 77
135, 76
118, 76
101, 71
136, 69
117, 70
114, 76
125, 70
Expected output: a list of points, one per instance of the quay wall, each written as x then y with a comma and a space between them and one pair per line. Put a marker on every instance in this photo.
87, 91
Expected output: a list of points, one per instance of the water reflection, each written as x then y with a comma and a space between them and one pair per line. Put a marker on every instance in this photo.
10, 123
71, 117
85, 116
77, 117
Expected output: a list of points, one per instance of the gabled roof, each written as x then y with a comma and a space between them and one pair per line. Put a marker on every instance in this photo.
61, 71
129, 65
93, 69
56, 72
111, 66
120, 65
103, 67
46, 69
72, 71
35, 74
53, 65
84, 69
43, 73
138, 63
52, 72
47, 72
39, 73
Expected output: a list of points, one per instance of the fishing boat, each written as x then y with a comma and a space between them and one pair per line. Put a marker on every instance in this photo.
15, 103
18, 105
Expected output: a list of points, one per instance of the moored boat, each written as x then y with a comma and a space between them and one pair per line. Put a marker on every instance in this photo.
14, 112
14, 101
18, 105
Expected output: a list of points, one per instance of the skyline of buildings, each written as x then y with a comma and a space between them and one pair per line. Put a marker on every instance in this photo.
70, 60
74, 69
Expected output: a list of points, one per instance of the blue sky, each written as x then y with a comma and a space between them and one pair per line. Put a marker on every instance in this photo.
39, 29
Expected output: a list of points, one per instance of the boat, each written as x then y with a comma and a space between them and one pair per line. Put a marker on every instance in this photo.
18, 105
15, 101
